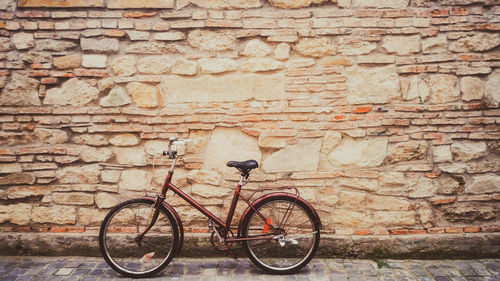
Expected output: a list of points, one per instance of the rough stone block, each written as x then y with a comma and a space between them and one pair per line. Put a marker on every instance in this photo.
372, 85
135, 4
55, 214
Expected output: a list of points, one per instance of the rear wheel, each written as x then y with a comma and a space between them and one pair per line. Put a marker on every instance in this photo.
292, 243
117, 239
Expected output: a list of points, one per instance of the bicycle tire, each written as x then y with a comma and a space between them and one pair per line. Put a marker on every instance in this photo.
261, 258
129, 258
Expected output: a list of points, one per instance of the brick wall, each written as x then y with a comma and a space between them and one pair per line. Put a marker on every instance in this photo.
384, 114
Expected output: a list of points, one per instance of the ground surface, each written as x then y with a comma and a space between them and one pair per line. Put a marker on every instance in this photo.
84, 268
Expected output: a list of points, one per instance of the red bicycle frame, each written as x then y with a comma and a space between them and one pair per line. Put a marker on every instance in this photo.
225, 226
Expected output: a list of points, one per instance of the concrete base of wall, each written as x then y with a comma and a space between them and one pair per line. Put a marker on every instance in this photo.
477, 245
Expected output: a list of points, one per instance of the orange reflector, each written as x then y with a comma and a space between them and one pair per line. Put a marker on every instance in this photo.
266, 226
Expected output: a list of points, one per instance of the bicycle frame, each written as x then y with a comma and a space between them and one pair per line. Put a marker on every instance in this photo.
225, 226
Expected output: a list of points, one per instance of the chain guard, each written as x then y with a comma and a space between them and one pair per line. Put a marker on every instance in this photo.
214, 240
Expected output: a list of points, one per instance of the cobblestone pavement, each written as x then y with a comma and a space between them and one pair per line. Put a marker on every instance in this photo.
84, 268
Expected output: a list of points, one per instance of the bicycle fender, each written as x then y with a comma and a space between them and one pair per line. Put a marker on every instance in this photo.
177, 218
266, 196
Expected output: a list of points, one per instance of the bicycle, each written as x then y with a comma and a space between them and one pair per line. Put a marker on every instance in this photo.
280, 231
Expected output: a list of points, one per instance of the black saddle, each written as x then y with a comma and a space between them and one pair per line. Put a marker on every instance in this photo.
244, 167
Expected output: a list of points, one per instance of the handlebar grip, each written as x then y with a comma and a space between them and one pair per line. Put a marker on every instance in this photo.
164, 153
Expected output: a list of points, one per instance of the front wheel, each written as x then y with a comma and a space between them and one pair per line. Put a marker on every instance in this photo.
290, 234
126, 255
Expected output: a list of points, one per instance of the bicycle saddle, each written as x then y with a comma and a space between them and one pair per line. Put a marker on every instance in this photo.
244, 166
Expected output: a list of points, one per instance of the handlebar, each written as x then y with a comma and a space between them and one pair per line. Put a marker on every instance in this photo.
171, 151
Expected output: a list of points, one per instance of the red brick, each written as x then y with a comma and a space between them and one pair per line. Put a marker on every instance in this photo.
491, 228
39, 73
22, 229
418, 231
472, 229
439, 13
441, 201
33, 14
432, 175
74, 229
453, 229
57, 229
459, 11
362, 109
363, 232
435, 230
49, 80
139, 14
114, 33
400, 231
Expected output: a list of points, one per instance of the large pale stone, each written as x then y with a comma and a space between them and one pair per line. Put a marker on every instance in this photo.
124, 65
315, 47
372, 85
116, 97
217, 65
154, 65
124, 140
221, 4
468, 150
415, 88
73, 198
8, 168
73, 92
69, 61
392, 179
393, 4
93, 140
51, 136
129, 4
15, 213
443, 88
282, 51
134, 179
408, 151
421, 187
472, 88
204, 176
157, 147
355, 48
272, 142
91, 216
94, 61
79, 174
54, 45
394, 219
54, 214
130, 156
92, 154
144, 95
17, 178
209, 191
170, 36
442, 153
105, 45
363, 153
492, 87
23, 41
487, 183
349, 218
18, 192
290, 4
256, 48
231, 87
184, 67
111, 176
207, 40
388, 203
228, 144
436, 44
481, 42
135, 35
5, 44
300, 63
330, 141
20, 90
426, 214
303, 156
401, 45
260, 64
105, 200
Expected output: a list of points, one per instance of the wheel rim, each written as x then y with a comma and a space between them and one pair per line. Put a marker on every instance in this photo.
119, 239
299, 227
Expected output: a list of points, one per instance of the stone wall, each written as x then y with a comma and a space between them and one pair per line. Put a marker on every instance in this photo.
384, 114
